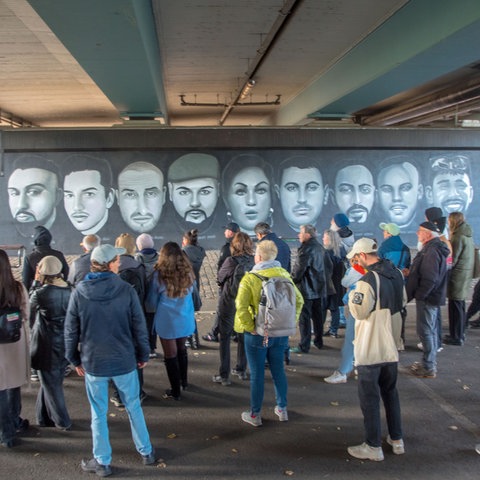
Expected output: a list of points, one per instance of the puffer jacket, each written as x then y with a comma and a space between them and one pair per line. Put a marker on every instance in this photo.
105, 316
309, 270
51, 303
460, 275
248, 297
427, 280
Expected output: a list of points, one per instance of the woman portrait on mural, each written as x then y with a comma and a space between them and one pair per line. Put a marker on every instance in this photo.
247, 191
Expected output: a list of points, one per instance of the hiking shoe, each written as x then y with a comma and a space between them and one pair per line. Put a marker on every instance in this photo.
366, 452
93, 466
219, 379
117, 402
150, 458
153, 354
422, 372
249, 417
281, 413
168, 395
241, 375
336, 377
397, 446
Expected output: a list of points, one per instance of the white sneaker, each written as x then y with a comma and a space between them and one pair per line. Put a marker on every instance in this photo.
420, 346
397, 446
366, 452
255, 420
336, 377
281, 413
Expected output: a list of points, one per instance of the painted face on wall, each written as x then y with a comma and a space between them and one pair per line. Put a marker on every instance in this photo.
355, 192
451, 192
249, 198
399, 192
196, 199
32, 195
86, 201
141, 196
301, 195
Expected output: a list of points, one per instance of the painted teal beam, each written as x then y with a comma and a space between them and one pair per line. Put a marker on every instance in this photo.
418, 27
115, 43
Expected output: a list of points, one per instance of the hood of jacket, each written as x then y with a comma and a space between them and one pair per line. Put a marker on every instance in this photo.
127, 262
464, 229
101, 287
42, 236
437, 243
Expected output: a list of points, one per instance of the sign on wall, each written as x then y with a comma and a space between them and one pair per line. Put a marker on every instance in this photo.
167, 193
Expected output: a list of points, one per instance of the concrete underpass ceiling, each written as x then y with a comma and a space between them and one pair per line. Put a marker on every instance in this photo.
90, 63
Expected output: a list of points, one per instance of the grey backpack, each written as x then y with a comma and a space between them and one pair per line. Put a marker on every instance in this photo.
276, 312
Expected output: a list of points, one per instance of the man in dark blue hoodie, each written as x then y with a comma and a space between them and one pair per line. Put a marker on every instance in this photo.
106, 317
427, 284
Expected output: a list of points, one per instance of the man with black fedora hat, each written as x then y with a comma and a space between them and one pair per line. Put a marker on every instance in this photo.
427, 284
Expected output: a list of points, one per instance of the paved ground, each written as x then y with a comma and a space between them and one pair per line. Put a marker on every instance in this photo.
203, 437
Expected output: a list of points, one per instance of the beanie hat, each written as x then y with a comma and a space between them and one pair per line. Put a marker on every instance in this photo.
144, 241
49, 265
430, 226
433, 213
341, 220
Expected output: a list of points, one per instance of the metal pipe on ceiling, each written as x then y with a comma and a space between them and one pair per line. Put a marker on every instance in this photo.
280, 23
437, 102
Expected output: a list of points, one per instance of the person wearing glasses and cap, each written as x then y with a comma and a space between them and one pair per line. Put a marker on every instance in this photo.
450, 185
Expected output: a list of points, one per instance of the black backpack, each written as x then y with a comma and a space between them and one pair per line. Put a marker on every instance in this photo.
10, 325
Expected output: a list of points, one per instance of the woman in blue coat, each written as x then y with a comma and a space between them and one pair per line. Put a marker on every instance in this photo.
171, 296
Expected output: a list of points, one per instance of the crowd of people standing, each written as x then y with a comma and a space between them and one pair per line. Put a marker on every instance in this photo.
105, 320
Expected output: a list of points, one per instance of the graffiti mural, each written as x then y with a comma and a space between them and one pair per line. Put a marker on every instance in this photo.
166, 193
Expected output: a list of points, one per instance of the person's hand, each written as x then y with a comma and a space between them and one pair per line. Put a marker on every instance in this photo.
80, 371
141, 364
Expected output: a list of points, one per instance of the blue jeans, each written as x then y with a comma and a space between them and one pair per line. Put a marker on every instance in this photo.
257, 354
346, 363
10, 408
97, 392
427, 327
375, 381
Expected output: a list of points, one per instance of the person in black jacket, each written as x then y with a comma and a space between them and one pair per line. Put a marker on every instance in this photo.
48, 304
81, 266
42, 240
427, 283
230, 230
309, 276
264, 232
235, 266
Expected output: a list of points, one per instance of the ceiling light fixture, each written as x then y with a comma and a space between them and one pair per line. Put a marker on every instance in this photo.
247, 89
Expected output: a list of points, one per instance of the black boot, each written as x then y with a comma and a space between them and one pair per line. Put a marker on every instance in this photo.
183, 366
173, 372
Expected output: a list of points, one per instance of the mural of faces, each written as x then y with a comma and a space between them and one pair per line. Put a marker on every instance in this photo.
248, 198
354, 192
451, 187
86, 201
141, 196
399, 192
33, 195
302, 195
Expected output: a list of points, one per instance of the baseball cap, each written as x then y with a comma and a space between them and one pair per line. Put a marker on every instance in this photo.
232, 226
49, 265
391, 228
106, 253
363, 245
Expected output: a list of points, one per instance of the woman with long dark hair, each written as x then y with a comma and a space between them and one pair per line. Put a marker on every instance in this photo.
171, 295
14, 357
48, 304
228, 278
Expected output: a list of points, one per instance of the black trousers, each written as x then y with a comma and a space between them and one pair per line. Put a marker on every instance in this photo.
457, 319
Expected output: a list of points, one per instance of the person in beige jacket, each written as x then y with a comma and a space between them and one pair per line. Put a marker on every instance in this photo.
14, 358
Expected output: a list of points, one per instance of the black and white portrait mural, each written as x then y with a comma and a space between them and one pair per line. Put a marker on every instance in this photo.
166, 193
